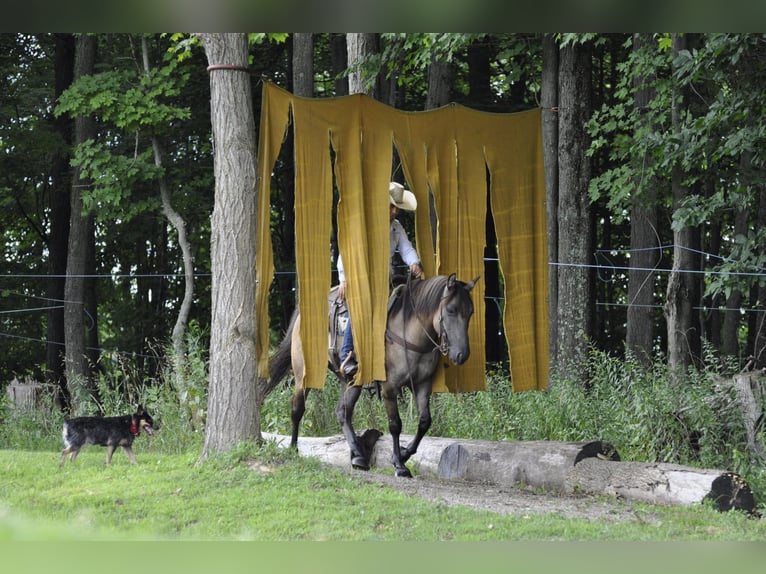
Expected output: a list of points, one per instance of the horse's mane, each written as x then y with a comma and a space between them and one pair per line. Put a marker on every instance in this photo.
423, 297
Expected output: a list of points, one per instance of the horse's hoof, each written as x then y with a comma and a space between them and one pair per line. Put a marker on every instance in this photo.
359, 463
403, 472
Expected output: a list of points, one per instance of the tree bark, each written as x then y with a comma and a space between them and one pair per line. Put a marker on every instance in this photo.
644, 240
759, 333
233, 415
683, 287
440, 74
360, 45
76, 364
58, 241
303, 64
575, 243
550, 105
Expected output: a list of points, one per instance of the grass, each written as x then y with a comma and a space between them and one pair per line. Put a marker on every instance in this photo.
267, 494
262, 495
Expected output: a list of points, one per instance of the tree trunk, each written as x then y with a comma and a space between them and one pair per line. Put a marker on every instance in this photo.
759, 336
303, 64
233, 414
731, 315
550, 104
359, 46
575, 244
644, 241
77, 369
440, 74
683, 290
177, 221
339, 63
58, 241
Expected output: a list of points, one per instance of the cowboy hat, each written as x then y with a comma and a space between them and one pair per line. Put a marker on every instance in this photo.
402, 198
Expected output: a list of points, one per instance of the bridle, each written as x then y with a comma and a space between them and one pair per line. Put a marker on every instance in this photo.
442, 345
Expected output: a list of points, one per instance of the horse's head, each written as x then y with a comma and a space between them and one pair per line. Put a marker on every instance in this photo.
455, 312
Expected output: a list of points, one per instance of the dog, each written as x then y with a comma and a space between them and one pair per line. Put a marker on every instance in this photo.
110, 432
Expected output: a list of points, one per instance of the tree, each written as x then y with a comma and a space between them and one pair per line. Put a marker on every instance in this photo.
550, 104
644, 237
361, 80
80, 235
683, 294
233, 415
575, 246
59, 228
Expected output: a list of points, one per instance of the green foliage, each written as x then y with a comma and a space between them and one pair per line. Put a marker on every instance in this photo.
128, 106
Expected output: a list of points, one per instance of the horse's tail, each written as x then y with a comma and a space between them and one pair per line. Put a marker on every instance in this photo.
280, 362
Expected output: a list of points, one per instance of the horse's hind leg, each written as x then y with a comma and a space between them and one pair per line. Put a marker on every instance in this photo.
298, 408
345, 413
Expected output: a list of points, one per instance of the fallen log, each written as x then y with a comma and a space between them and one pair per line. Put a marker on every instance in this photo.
538, 464
661, 483
561, 467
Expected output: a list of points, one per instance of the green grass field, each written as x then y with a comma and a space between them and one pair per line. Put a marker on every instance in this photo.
268, 494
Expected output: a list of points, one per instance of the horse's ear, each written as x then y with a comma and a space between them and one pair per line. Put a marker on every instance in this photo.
451, 281
469, 286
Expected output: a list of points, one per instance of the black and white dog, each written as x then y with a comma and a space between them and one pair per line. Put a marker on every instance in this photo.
110, 432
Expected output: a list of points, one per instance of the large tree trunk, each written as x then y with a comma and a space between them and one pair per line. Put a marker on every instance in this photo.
550, 103
58, 241
644, 242
233, 414
683, 287
575, 286
360, 45
77, 368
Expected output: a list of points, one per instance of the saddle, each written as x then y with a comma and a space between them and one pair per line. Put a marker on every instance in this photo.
338, 321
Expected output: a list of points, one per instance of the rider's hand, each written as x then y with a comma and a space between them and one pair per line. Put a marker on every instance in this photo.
416, 270
342, 291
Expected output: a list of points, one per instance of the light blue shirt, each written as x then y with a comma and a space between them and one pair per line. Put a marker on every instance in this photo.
398, 241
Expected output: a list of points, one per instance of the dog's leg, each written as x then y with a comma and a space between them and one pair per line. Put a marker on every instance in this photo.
74, 455
129, 451
64, 452
109, 453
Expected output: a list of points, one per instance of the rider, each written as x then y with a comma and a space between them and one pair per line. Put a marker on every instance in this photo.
399, 198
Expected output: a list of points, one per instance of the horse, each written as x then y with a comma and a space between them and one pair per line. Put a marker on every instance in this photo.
426, 318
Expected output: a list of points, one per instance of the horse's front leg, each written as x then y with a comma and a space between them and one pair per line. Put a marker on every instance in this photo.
395, 428
345, 413
423, 402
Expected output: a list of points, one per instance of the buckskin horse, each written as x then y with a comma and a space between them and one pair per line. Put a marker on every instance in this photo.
426, 318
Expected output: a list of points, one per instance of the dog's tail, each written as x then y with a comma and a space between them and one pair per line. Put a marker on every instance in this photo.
280, 362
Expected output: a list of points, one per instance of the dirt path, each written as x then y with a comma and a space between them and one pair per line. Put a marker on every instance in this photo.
503, 500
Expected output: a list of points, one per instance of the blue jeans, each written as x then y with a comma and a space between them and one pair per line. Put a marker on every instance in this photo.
348, 342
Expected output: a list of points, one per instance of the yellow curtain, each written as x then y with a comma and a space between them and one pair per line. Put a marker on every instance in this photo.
445, 156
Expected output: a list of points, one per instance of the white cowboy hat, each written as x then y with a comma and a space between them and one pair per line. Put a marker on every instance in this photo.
402, 198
